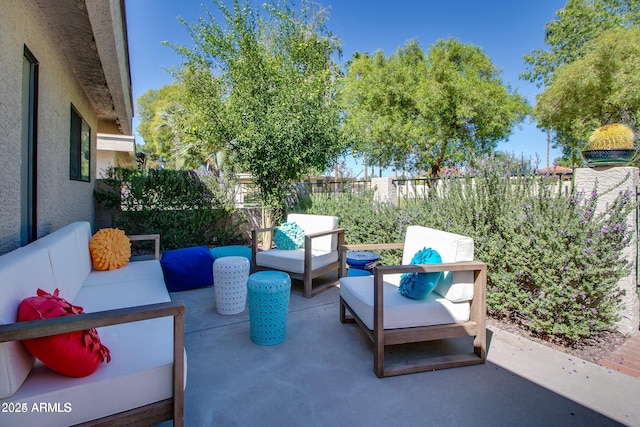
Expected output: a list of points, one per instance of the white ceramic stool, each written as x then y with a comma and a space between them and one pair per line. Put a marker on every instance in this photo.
230, 275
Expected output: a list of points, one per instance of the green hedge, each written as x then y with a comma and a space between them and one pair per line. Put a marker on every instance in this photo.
186, 208
553, 261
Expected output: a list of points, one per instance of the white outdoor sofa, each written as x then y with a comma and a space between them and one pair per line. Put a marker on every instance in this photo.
135, 319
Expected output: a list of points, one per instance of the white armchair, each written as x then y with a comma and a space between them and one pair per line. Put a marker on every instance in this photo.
318, 257
455, 308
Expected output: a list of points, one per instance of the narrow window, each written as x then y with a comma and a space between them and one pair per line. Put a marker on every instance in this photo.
29, 150
80, 147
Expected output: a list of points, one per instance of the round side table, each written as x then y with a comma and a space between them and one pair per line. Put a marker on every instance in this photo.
361, 263
268, 296
230, 275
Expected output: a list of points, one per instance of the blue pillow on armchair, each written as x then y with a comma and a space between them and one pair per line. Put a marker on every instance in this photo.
288, 236
419, 285
187, 268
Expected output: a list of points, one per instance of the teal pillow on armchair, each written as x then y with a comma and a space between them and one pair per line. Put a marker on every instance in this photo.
288, 236
419, 285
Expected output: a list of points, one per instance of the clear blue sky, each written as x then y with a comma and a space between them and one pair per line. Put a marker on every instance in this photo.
505, 29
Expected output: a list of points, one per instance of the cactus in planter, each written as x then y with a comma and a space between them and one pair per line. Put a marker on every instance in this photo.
611, 137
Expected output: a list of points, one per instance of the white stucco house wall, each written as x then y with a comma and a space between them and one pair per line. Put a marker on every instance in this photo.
64, 78
114, 150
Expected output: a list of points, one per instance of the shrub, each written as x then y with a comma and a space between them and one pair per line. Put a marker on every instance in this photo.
553, 260
364, 220
186, 208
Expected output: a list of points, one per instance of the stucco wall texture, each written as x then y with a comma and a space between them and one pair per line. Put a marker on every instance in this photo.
60, 200
610, 181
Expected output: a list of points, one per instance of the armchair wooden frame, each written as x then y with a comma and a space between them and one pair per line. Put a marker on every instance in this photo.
381, 338
308, 273
168, 409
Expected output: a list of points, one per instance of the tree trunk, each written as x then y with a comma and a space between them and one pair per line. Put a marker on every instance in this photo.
268, 216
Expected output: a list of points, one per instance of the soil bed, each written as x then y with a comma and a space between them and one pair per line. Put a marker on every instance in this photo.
592, 350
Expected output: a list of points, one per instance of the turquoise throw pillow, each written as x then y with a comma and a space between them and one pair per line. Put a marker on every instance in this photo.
419, 285
289, 236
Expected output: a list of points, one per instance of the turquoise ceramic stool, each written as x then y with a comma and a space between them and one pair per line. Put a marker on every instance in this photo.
268, 295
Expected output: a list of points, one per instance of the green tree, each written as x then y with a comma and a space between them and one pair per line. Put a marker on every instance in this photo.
174, 128
379, 99
467, 108
570, 36
600, 88
158, 111
269, 82
424, 112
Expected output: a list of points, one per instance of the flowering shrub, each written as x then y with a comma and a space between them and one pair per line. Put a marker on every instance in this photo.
553, 260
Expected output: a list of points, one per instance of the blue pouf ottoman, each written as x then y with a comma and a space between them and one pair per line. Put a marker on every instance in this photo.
187, 268
268, 295
232, 250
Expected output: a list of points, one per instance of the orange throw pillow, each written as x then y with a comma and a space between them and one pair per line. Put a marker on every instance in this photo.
110, 249
75, 354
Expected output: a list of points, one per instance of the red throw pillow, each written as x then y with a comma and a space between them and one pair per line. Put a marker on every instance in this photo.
75, 354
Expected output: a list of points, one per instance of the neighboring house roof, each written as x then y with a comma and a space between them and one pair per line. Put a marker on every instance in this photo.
555, 170
93, 37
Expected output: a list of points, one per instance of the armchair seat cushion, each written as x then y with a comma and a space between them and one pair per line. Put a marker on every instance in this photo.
293, 260
401, 312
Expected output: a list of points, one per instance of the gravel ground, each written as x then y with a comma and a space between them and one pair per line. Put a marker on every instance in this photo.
591, 350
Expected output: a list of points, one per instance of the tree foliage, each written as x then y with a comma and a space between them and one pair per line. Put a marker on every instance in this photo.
600, 88
570, 36
576, 71
266, 83
157, 112
177, 127
469, 108
425, 112
378, 98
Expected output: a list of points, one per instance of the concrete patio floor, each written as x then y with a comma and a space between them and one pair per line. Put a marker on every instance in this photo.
321, 375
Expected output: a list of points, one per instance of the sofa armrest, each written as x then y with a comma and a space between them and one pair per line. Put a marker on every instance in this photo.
47, 327
154, 237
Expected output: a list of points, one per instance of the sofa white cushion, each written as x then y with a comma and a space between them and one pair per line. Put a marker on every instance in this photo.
138, 291
315, 224
22, 272
452, 247
141, 366
67, 261
83, 236
399, 311
149, 269
140, 373
293, 260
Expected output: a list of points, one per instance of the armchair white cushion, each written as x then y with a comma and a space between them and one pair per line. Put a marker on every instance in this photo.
455, 308
457, 286
318, 256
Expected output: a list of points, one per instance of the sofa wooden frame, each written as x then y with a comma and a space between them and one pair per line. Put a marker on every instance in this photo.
308, 273
168, 409
381, 338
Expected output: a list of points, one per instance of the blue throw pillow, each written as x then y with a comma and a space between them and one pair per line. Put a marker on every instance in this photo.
187, 268
419, 285
289, 236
